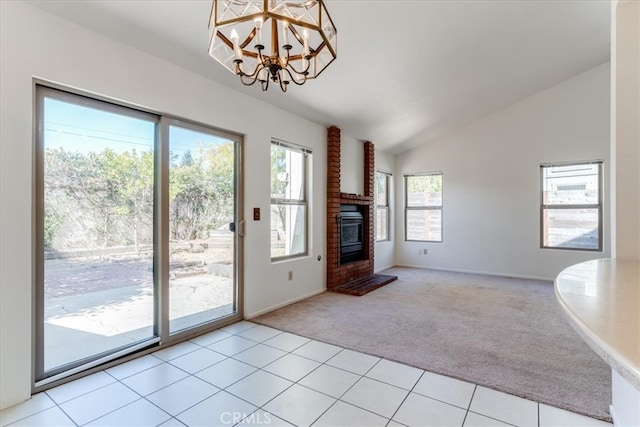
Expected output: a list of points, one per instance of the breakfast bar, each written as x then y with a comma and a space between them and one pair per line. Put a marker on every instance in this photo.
601, 299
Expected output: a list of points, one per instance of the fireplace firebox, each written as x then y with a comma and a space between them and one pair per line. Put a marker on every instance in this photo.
351, 234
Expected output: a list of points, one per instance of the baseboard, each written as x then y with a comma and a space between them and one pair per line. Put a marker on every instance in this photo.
484, 273
613, 416
277, 306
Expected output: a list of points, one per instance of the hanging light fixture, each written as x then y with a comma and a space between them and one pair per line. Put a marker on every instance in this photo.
298, 43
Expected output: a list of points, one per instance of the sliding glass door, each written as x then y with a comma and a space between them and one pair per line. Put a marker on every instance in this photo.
201, 216
133, 214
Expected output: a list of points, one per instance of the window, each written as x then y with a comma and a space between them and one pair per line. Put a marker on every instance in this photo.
423, 207
382, 206
289, 205
571, 206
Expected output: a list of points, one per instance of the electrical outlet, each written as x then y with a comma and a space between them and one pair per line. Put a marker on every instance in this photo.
291, 275
424, 251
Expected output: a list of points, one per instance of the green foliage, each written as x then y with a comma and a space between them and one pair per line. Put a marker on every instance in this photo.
53, 219
424, 184
109, 195
278, 168
201, 191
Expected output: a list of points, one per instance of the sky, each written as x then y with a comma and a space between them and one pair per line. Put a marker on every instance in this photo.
83, 129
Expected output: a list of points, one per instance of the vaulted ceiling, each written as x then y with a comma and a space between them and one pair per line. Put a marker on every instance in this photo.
407, 71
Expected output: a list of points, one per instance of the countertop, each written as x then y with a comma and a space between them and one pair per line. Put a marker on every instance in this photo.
602, 300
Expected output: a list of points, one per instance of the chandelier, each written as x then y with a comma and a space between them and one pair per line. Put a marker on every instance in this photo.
281, 41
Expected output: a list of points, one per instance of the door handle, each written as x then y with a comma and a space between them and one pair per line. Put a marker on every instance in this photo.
241, 228
232, 226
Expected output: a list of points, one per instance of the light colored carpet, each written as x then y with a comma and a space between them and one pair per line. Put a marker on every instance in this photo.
503, 333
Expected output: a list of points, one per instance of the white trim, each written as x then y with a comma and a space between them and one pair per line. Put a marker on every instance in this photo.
484, 273
277, 306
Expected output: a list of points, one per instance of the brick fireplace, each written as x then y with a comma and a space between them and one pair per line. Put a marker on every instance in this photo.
358, 266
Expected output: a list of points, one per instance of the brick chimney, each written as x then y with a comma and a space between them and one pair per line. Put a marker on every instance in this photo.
337, 273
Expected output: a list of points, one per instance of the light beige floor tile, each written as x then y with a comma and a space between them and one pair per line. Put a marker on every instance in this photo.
259, 387
38, 403
505, 407
329, 380
286, 341
260, 333
292, 367
197, 360
221, 409
182, 395
260, 355
236, 328
476, 420
446, 389
52, 417
140, 413
232, 345
318, 351
344, 415
353, 361
418, 410
555, 417
263, 418
176, 351
396, 374
134, 366
225, 373
97, 403
78, 387
210, 338
299, 405
380, 398
153, 379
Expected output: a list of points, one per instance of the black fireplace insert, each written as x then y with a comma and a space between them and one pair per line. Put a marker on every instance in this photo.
351, 234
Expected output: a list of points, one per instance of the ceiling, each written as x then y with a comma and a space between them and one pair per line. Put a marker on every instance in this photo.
407, 71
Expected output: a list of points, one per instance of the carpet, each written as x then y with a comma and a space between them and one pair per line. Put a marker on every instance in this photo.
503, 333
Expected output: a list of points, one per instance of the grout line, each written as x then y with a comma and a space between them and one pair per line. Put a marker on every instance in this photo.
257, 369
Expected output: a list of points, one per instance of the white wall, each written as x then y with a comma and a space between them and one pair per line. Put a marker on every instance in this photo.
36, 44
625, 129
351, 165
492, 180
384, 250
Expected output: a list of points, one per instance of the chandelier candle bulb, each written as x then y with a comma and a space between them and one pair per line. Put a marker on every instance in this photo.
236, 48
258, 22
285, 33
263, 75
306, 42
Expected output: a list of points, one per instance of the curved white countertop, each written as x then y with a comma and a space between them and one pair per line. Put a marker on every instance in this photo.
602, 299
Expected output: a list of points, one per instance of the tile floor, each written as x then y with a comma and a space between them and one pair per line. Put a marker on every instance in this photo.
248, 374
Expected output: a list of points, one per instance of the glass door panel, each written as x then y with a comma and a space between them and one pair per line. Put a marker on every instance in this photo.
202, 206
97, 180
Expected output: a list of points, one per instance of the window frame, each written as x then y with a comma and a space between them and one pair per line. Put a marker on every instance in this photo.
408, 208
304, 201
385, 205
599, 206
162, 335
